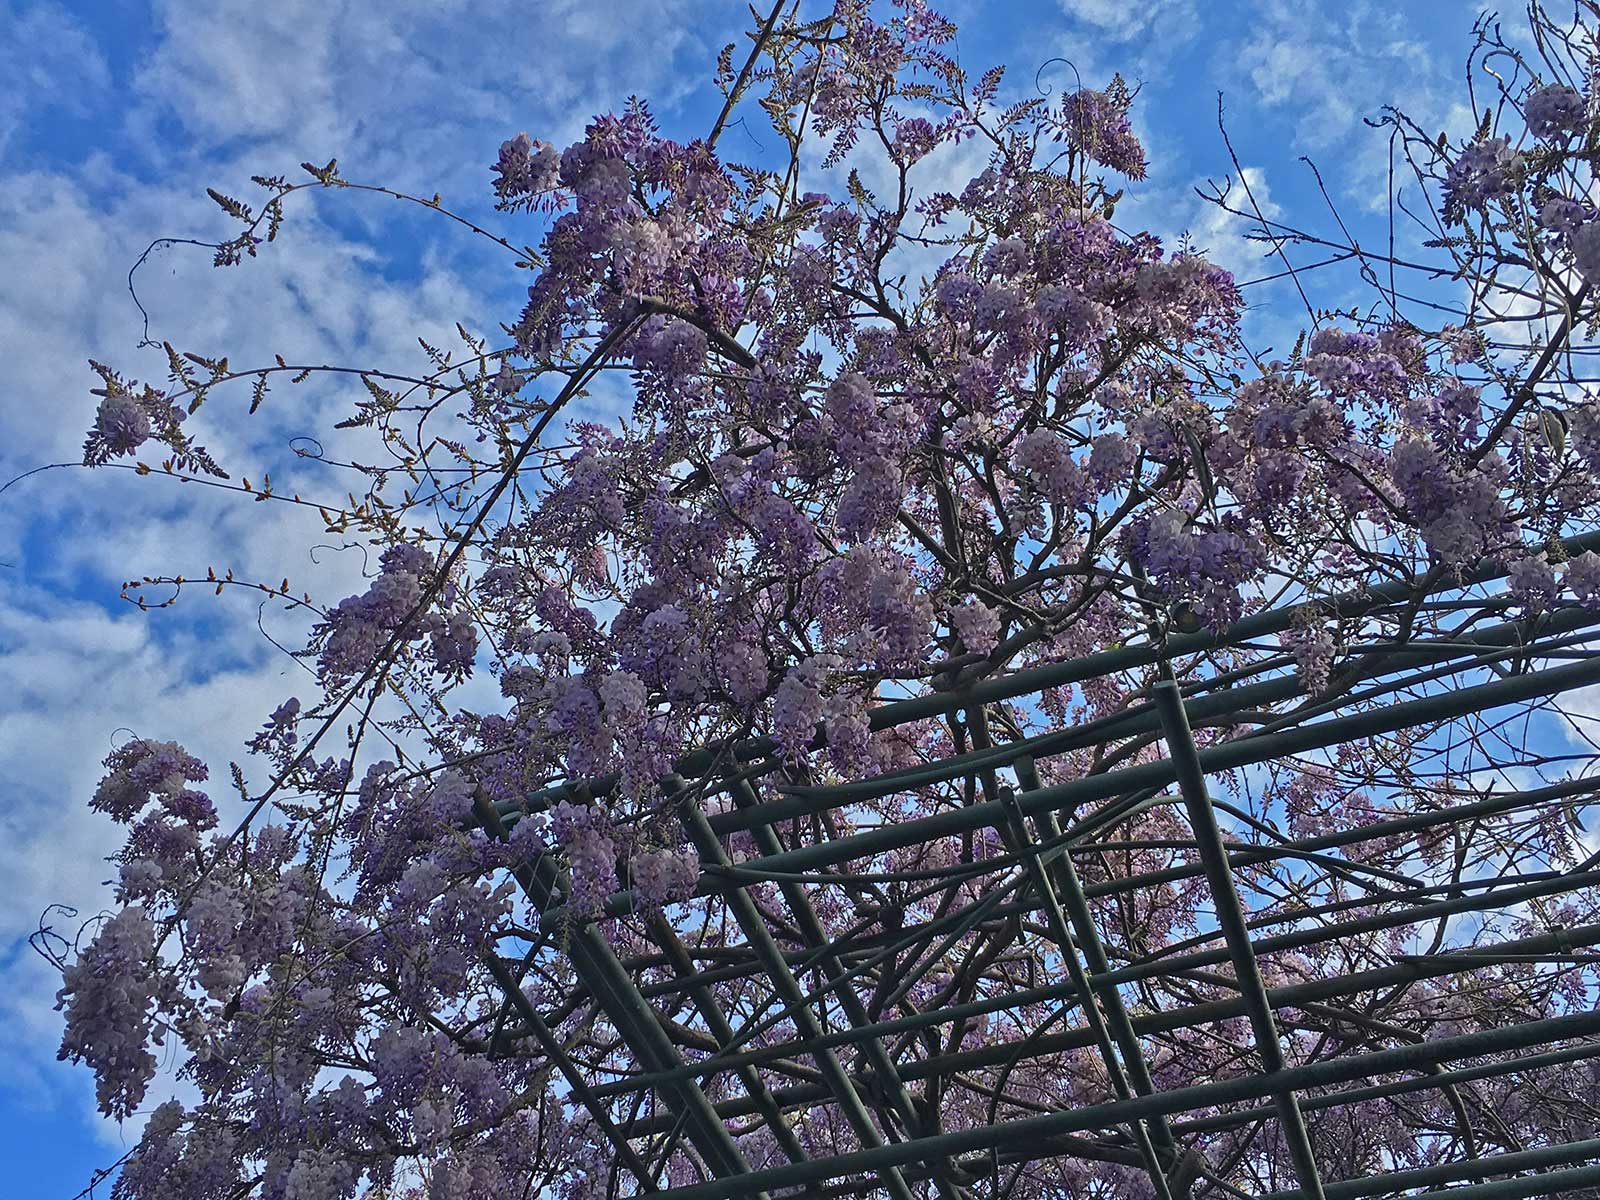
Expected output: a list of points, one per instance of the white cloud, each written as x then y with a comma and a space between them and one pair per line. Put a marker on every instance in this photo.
416, 91
1330, 68
44, 49
1159, 26
1221, 234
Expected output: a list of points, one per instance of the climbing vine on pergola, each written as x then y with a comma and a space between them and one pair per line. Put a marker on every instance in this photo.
974, 728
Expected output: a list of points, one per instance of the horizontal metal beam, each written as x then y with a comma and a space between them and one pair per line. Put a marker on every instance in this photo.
1431, 1081
1510, 637
1492, 805
1237, 1117
1547, 1183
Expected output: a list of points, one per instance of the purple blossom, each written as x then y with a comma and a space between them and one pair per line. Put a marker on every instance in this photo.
583, 833
358, 628
1111, 461
1482, 172
1096, 123
1313, 648
1531, 580
1562, 214
145, 770
1581, 577
914, 138
848, 729
899, 616
1554, 111
871, 500
109, 995
121, 423
976, 624
796, 712
1044, 460
1584, 241
662, 877
671, 348
525, 168
743, 670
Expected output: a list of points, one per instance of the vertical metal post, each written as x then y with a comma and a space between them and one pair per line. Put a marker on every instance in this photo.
1094, 952
705, 1000
1091, 1009
1231, 919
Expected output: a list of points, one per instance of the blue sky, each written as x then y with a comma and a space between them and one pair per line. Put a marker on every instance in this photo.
114, 118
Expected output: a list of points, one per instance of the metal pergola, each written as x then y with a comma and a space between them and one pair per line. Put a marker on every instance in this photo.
823, 1024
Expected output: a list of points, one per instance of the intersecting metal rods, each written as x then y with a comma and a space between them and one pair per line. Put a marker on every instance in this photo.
1357, 983
597, 965
1105, 662
1493, 805
1217, 757
830, 965
1553, 884
1143, 1136
1322, 1073
760, 938
1044, 860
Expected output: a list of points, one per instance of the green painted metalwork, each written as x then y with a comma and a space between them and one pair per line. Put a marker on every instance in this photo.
1048, 829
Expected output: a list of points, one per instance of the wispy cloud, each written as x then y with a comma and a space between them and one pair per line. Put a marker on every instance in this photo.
43, 47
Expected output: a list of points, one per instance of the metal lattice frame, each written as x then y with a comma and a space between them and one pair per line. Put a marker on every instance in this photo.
841, 1055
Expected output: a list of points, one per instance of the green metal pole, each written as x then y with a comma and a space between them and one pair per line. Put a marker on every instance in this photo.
1231, 918
1548, 1183
755, 930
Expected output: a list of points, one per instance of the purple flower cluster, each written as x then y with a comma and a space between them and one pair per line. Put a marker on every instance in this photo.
1350, 364
914, 139
1485, 170
848, 728
976, 624
110, 995
662, 877
1096, 124
1462, 514
582, 831
1044, 460
121, 424
1313, 648
1532, 580
1203, 567
358, 628
527, 168
797, 707
1581, 577
1554, 111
